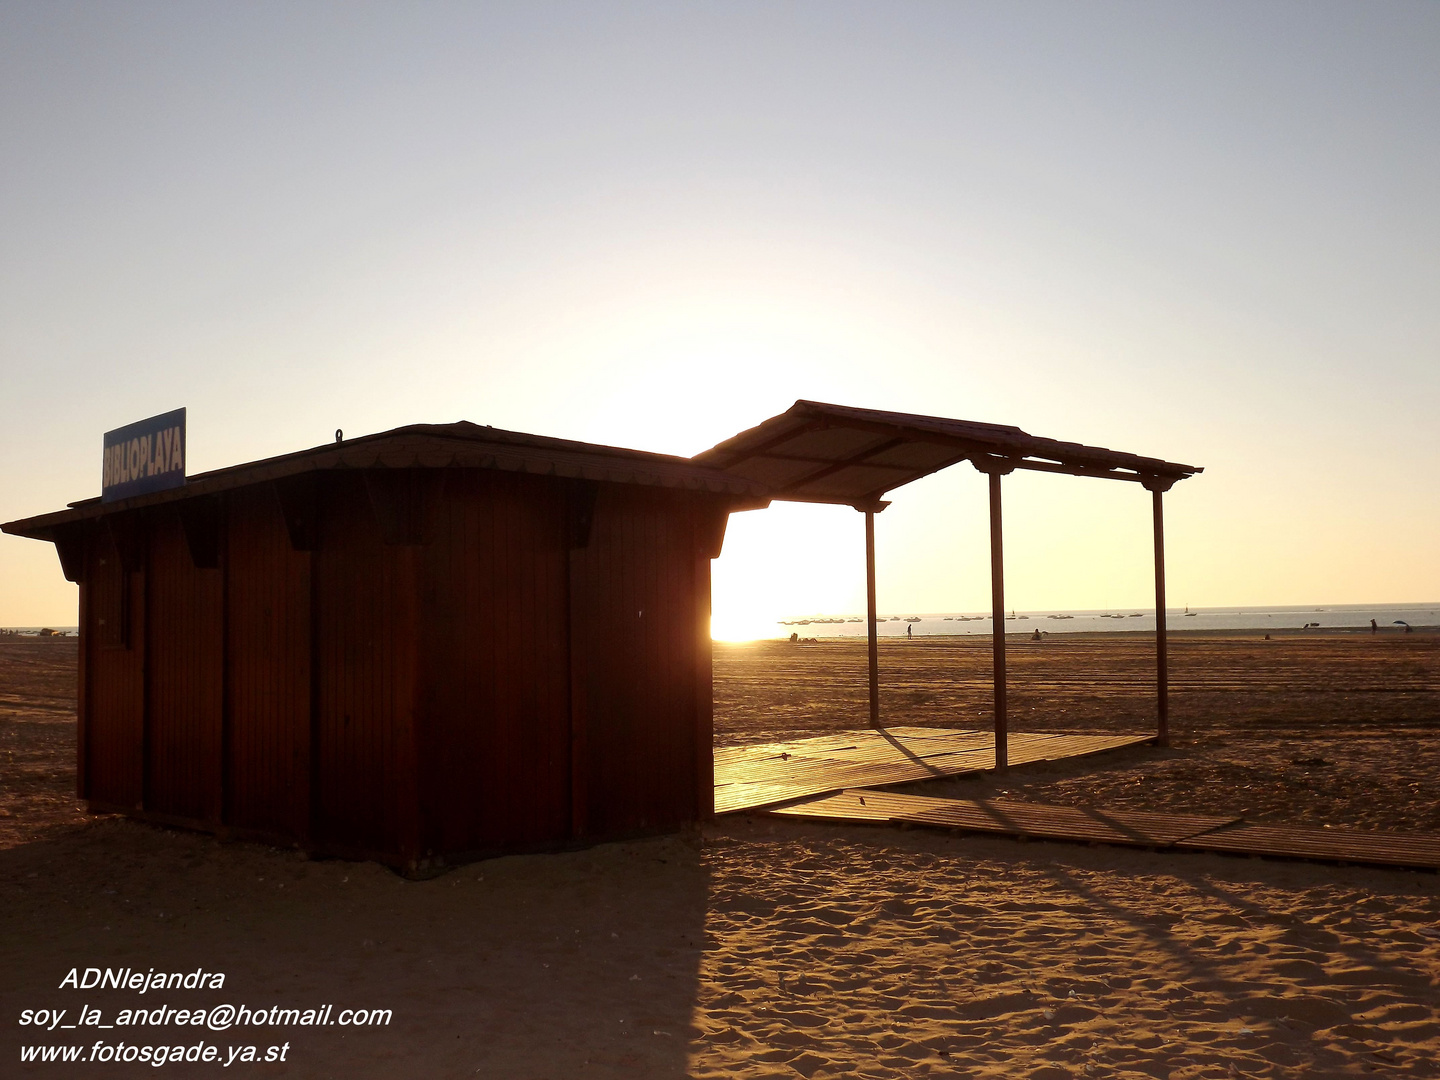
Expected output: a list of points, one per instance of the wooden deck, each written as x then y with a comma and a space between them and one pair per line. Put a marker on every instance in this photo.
837, 777
1229, 835
755, 777
1416, 851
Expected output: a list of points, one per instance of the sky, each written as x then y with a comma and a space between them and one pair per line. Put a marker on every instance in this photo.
1199, 231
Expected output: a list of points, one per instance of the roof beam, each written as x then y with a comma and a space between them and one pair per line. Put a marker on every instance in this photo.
764, 448
832, 467
807, 460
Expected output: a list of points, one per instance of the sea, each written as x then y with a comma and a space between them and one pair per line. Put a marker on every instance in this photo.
1391, 617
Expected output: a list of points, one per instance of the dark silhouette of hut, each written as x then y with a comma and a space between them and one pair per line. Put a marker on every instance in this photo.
419, 647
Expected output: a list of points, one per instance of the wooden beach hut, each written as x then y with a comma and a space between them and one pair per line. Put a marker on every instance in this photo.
422, 646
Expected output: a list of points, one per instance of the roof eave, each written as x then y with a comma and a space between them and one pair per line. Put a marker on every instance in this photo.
416, 447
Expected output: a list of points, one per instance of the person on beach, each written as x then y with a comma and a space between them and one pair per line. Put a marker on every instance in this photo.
909, 630
1373, 628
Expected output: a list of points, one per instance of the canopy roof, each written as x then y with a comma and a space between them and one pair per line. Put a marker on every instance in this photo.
814, 452
434, 446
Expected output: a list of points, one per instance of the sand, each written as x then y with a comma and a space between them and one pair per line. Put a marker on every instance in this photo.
760, 947
1335, 729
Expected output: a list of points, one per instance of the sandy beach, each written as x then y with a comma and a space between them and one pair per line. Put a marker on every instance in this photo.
762, 947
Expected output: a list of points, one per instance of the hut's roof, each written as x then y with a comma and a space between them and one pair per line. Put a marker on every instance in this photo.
434, 446
814, 452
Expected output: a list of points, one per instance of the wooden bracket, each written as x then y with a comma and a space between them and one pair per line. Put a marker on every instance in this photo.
713, 522
70, 543
993, 466
874, 507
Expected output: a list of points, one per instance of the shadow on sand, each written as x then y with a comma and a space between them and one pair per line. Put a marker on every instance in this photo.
582, 963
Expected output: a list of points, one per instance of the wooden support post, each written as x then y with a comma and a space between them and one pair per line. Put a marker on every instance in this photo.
872, 619
997, 606
1162, 658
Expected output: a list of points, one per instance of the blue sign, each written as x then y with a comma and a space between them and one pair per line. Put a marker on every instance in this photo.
146, 456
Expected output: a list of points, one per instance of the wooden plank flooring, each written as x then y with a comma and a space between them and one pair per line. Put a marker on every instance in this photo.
1010, 817
1414, 850
1177, 831
754, 777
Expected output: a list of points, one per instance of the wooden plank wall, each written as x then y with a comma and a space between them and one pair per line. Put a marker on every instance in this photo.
114, 737
515, 681
366, 610
268, 670
184, 657
495, 709
635, 661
